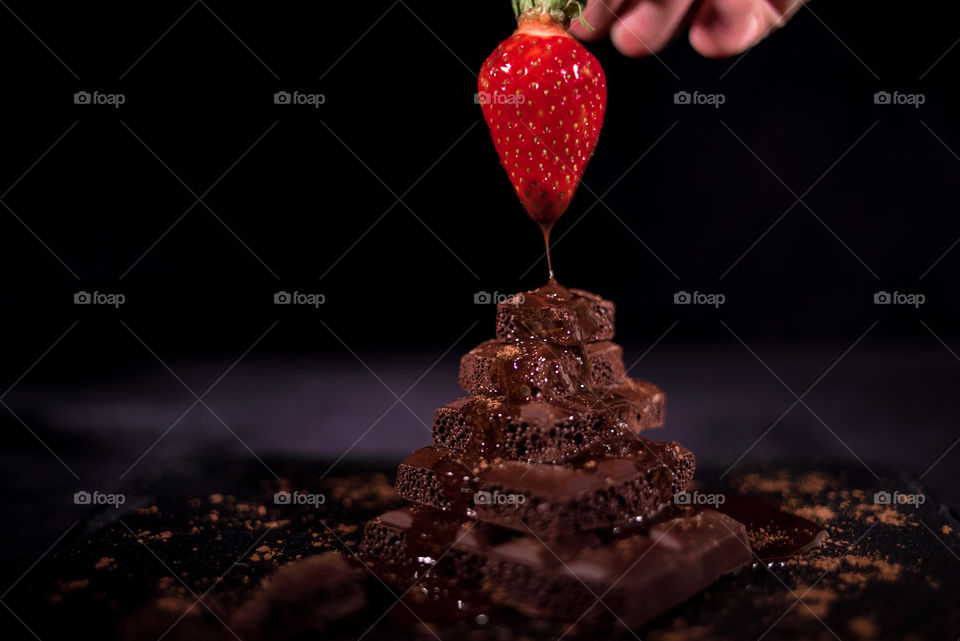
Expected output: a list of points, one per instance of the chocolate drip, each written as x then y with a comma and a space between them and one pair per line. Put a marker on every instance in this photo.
545, 229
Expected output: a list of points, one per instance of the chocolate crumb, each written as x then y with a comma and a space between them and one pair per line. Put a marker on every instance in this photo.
302, 596
863, 627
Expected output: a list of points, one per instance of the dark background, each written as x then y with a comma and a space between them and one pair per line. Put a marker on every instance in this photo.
290, 213
103, 199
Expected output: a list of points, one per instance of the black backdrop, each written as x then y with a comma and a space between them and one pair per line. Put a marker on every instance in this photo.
304, 199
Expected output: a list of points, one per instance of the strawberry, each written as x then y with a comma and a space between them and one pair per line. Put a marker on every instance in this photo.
543, 96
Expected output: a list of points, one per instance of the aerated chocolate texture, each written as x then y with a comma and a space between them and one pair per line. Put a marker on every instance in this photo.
545, 432
539, 491
640, 572
537, 369
550, 500
582, 318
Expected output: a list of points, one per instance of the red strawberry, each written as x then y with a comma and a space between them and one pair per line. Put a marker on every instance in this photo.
543, 96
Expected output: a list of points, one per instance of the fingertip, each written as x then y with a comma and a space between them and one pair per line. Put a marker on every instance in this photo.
633, 44
599, 14
724, 28
649, 26
710, 43
599, 31
636, 34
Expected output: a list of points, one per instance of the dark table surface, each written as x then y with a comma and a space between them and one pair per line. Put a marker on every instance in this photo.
140, 571
884, 416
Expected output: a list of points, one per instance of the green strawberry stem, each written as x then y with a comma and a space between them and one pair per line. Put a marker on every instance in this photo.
560, 11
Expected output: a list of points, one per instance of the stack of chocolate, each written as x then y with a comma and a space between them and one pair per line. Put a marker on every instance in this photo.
539, 492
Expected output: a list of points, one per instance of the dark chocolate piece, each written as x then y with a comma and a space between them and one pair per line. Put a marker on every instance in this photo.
537, 369
774, 534
636, 403
586, 494
557, 315
638, 577
640, 573
542, 432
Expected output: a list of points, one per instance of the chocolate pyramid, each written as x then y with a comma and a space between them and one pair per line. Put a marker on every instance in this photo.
539, 492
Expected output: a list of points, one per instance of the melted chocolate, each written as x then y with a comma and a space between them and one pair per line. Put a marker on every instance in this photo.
642, 570
528, 370
601, 422
441, 591
588, 492
555, 314
545, 229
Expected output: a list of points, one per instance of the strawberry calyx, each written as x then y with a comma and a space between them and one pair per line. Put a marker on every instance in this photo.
559, 12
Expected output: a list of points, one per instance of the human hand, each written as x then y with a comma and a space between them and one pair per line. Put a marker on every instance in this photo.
718, 28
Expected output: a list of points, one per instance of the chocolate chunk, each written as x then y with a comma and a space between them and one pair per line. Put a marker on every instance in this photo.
638, 577
542, 432
408, 541
640, 573
539, 370
774, 534
306, 595
589, 493
557, 315
638, 404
